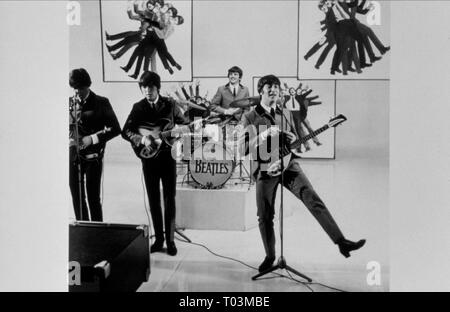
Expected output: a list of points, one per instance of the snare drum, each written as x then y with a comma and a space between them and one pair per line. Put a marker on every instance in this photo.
212, 165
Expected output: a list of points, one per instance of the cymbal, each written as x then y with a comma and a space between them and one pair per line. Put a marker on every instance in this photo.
245, 102
192, 105
251, 101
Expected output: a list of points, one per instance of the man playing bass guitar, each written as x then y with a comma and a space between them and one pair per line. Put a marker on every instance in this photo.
92, 124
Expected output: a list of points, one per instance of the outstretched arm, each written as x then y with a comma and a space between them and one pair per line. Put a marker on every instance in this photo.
131, 11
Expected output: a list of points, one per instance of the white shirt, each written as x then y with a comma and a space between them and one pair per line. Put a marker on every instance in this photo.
234, 89
153, 102
268, 108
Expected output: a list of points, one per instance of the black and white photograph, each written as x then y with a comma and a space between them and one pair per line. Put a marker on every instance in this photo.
215, 151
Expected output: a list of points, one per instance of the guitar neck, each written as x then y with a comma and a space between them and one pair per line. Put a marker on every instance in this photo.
302, 140
167, 134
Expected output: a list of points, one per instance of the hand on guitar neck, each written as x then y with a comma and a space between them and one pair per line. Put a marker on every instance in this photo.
274, 168
86, 141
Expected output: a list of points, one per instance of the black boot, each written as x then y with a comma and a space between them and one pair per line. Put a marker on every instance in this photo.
266, 264
375, 58
345, 246
171, 249
385, 49
157, 246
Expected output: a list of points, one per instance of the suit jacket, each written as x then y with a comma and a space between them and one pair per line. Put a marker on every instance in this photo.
224, 96
252, 124
143, 114
96, 114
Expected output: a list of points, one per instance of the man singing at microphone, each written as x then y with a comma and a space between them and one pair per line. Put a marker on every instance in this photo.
262, 125
92, 124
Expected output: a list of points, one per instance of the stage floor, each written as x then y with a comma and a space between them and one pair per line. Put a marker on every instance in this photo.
355, 188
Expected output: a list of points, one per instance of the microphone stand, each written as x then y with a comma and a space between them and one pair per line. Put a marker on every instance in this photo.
281, 264
78, 158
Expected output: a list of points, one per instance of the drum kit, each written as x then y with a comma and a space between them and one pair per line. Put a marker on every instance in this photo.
211, 155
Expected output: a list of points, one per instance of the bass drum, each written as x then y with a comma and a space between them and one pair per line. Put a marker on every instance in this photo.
212, 165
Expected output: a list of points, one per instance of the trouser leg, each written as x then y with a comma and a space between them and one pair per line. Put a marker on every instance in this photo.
74, 185
297, 182
152, 178
169, 181
93, 186
265, 199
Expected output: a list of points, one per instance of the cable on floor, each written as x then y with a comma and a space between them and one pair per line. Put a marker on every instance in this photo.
306, 284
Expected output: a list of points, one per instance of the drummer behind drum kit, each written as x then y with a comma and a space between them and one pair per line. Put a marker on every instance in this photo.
211, 154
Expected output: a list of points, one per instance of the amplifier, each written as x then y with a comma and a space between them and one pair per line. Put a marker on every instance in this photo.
108, 257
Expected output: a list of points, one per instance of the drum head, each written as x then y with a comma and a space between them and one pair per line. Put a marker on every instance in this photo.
183, 149
212, 165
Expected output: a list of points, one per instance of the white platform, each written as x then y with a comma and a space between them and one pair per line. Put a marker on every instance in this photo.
230, 208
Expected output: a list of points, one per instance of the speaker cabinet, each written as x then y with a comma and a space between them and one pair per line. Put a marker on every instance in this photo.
107, 257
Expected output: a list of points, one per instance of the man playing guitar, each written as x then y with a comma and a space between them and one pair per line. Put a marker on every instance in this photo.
146, 128
261, 126
92, 124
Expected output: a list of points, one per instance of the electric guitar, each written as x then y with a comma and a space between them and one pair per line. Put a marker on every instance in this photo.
274, 167
162, 133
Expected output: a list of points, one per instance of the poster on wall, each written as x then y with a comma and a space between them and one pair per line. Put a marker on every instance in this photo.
320, 95
343, 39
144, 35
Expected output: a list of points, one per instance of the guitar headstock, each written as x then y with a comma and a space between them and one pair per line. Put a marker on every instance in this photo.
336, 121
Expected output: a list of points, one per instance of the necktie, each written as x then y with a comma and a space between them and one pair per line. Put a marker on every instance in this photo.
293, 104
272, 113
234, 91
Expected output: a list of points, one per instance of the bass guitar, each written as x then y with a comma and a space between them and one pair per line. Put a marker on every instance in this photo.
92, 151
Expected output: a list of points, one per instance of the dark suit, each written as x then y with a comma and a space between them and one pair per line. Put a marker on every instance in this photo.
96, 114
160, 168
294, 180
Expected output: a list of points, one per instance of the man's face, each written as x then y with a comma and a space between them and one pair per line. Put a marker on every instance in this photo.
270, 94
292, 91
150, 93
299, 91
81, 93
233, 77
